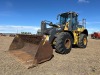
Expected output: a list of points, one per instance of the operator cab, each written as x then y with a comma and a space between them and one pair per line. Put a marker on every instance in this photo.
71, 18
65, 17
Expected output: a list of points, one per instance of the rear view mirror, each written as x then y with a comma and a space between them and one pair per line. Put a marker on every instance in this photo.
58, 16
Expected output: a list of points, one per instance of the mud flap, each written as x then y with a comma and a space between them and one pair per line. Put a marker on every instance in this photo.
31, 49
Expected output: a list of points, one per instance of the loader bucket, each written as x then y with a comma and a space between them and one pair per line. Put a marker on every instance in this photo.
31, 49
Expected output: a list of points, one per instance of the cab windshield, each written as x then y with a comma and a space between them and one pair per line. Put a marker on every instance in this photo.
64, 19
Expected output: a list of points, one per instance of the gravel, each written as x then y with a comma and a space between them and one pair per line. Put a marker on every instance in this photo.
77, 62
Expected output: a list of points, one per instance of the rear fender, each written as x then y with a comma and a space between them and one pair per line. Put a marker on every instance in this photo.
85, 32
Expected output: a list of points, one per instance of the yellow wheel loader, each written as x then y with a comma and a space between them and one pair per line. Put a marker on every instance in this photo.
34, 49
65, 34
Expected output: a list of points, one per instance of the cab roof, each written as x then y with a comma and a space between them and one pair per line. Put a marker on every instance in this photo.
67, 13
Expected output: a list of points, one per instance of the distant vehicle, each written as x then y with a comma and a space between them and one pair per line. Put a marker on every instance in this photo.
1, 34
12, 35
95, 35
26, 33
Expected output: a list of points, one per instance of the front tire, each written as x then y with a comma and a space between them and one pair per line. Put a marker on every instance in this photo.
63, 43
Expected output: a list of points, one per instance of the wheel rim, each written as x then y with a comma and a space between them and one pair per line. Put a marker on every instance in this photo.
67, 43
85, 41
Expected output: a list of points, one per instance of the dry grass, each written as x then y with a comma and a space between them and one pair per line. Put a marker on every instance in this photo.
77, 62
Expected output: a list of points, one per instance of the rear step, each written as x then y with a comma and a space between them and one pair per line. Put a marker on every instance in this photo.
31, 49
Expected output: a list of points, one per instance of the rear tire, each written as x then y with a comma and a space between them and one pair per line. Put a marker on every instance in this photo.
63, 43
82, 41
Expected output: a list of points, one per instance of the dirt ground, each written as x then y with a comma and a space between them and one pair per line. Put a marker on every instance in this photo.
77, 62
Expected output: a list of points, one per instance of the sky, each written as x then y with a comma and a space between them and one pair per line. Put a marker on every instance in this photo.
26, 15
